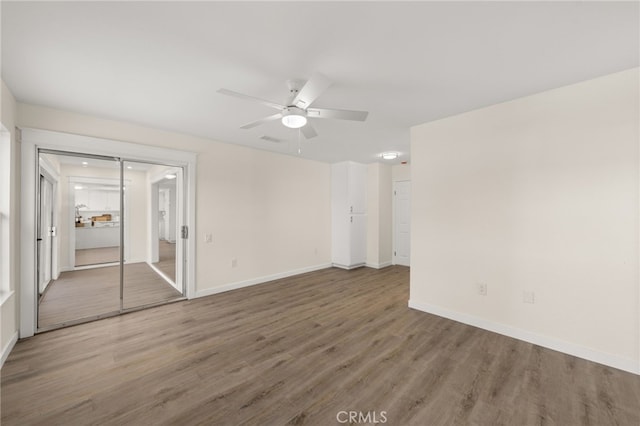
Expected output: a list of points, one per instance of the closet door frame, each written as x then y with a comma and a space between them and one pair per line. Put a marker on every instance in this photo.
35, 139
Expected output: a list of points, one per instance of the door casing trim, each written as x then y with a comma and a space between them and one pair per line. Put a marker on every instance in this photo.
34, 139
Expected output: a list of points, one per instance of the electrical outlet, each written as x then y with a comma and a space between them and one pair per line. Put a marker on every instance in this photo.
482, 289
234, 262
529, 297
208, 238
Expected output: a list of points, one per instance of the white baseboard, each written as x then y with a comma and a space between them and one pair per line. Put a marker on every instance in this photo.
8, 348
163, 276
347, 267
537, 339
6, 296
259, 280
378, 265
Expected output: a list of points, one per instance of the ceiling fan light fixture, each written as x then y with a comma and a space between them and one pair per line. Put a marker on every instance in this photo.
294, 118
294, 121
389, 155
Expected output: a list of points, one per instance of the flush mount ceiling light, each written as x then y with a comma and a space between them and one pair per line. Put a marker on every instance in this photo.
78, 187
85, 164
170, 176
294, 118
389, 155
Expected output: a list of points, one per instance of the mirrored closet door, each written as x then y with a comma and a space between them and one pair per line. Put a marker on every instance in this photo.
109, 237
79, 243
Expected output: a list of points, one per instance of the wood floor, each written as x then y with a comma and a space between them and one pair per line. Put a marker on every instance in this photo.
298, 351
167, 259
97, 256
90, 292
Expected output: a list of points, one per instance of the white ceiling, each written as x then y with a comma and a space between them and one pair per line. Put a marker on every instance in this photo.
160, 64
94, 163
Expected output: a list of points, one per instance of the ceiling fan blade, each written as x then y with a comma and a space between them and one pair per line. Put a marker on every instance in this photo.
341, 114
250, 98
316, 85
308, 131
261, 121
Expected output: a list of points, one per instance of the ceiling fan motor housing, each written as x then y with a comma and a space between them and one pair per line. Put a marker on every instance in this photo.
294, 117
294, 85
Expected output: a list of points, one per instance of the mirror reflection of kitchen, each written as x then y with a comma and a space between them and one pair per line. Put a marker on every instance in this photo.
97, 223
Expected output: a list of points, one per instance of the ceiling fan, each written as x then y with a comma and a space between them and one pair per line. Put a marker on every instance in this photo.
296, 110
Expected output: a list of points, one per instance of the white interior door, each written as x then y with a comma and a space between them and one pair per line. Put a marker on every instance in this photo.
46, 232
162, 214
402, 223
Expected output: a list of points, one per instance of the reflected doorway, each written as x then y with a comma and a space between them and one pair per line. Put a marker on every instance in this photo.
165, 192
159, 205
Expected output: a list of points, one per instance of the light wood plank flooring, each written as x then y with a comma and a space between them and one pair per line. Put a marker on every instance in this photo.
97, 256
167, 259
90, 292
298, 351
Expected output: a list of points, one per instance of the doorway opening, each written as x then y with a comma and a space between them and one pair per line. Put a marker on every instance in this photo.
165, 215
96, 216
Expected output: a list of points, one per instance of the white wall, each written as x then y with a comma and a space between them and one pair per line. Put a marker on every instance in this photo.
379, 208
10, 169
401, 172
539, 194
270, 212
373, 220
